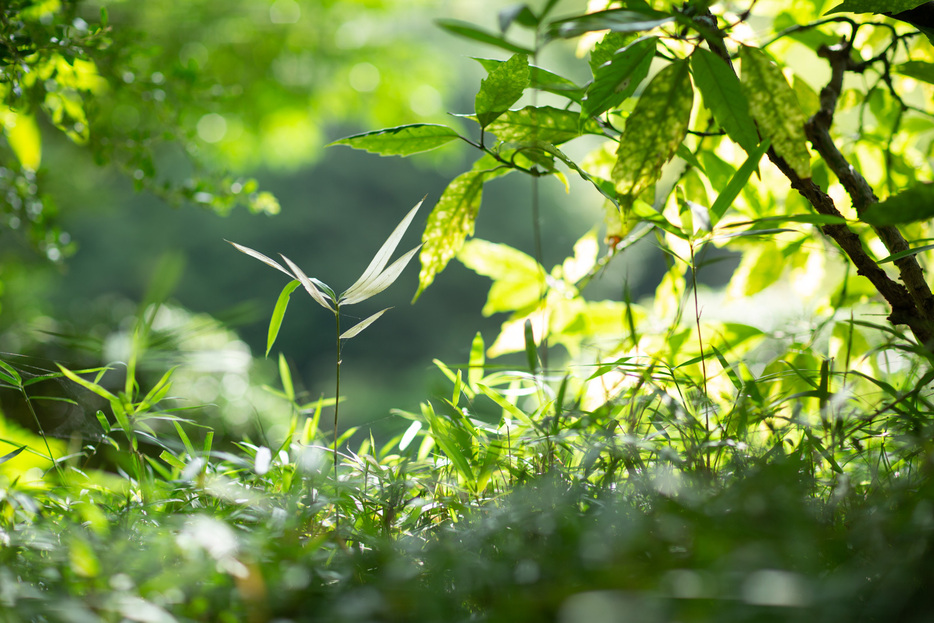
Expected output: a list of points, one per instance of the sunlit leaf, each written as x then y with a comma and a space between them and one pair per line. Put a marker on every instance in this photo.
476, 362
617, 20
909, 206
452, 221
278, 313
310, 287
22, 134
736, 184
538, 123
262, 258
919, 70
11, 455
654, 130
773, 105
401, 141
501, 89
83, 382
379, 261
382, 280
363, 324
517, 278
542, 79
723, 95
908, 253
618, 78
469, 31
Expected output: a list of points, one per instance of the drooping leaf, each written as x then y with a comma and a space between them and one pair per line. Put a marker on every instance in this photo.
363, 324
89, 385
469, 31
875, 6
379, 261
538, 123
516, 276
403, 140
618, 78
617, 20
502, 88
519, 14
278, 313
654, 130
262, 258
452, 220
723, 95
919, 70
909, 206
775, 108
309, 286
542, 79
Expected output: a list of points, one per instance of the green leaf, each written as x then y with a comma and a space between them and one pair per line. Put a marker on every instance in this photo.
919, 70
11, 455
736, 184
517, 13
616, 20
259, 256
309, 286
469, 31
909, 252
773, 105
502, 88
538, 123
875, 6
654, 130
723, 95
618, 78
542, 79
93, 387
363, 324
374, 279
516, 276
403, 140
451, 221
23, 136
476, 361
909, 206
531, 350
278, 313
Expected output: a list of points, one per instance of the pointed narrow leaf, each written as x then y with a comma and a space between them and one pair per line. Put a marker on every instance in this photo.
363, 324
909, 206
775, 108
919, 70
726, 198
618, 78
469, 31
10, 375
381, 258
616, 20
278, 313
875, 6
476, 362
501, 89
308, 285
93, 387
654, 130
451, 221
723, 95
401, 141
259, 256
382, 280
518, 13
11, 455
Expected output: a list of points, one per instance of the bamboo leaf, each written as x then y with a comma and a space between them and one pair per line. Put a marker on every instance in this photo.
617, 79
94, 387
379, 260
909, 252
278, 313
775, 108
469, 31
654, 130
616, 20
404, 140
259, 256
308, 285
11, 455
501, 89
723, 95
363, 324
383, 280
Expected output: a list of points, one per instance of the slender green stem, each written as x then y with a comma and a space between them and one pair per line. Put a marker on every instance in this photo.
337, 402
45, 439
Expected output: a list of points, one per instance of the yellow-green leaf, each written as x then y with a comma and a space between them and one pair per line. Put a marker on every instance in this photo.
517, 278
22, 134
723, 95
654, 130
775, 108
502, 88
